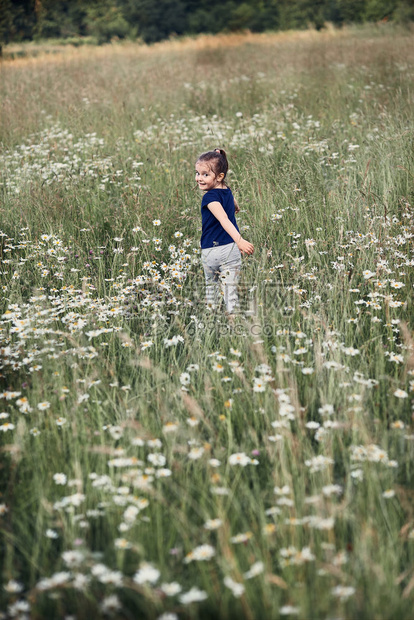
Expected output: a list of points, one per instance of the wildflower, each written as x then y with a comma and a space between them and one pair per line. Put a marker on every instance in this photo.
196, 453
59, 578
131, 514
291, 555
23, 405
289, 610
218, 367
201, 553
357, 474
285, 490
163, 473
401, 394
214, 462
19, 609
236, 588
318, 523
13, 586
185, 378
169, 342
269, 528
170, 427
43, 406
239, 458
312, 425
241, 538
113, 577
235, 352
371, 453
60, 479
285, 501
122, 543
256, 569
72, 558
156, 222
110, 604
332, 489
7, 426
396, 357
193, 421
171, 589
300, 351
158, 460
388, 494
213, 524
350, 351
343, 592
326, 410
308, 371
193, 367
259, 385
318, 463
193, 596
116, 432
154, 443
147, 573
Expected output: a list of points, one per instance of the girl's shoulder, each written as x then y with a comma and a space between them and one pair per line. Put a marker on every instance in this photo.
222, 195
215, 192
220, 191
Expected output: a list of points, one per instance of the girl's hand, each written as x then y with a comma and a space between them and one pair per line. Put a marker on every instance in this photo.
245, 247
236, 206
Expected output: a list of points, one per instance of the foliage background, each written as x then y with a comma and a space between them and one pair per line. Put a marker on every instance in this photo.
154, 20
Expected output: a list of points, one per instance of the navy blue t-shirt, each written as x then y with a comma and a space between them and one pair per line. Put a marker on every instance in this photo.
213, 233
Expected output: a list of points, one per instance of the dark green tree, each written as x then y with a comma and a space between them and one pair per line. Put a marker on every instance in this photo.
404, 12
23, 19
377, 10
294, 15
6, 21
242, 17
105, 20
347, 11
156, 20
206, 16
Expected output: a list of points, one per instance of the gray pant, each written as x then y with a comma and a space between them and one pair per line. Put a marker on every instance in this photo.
222, 270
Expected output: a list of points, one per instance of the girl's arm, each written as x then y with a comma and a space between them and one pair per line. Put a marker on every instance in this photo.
236, 206
217, 210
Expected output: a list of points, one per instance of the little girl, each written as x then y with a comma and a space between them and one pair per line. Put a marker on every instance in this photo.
221, 241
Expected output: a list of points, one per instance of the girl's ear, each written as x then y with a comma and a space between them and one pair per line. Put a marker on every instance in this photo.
220, 177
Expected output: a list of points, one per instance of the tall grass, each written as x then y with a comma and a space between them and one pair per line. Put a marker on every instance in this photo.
138, 427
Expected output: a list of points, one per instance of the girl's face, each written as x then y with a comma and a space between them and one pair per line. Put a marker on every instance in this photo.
206, 178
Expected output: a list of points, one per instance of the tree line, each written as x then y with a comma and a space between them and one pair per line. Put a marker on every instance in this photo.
154, 20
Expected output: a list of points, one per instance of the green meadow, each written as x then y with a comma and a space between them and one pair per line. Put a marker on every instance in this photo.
158, 461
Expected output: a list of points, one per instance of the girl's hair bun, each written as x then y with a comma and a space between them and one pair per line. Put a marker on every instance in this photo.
217, 159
